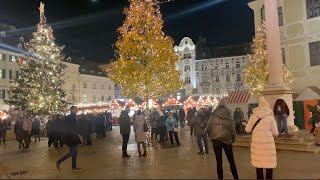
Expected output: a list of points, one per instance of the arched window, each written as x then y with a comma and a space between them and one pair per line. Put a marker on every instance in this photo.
187, 68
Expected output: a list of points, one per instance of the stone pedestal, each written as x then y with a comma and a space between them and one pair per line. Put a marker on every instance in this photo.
273, 93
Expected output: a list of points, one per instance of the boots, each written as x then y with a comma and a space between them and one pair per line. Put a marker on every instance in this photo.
145, 153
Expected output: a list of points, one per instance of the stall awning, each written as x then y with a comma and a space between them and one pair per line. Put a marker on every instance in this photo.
237, 97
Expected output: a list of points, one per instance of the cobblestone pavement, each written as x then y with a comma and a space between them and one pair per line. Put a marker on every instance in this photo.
103, 161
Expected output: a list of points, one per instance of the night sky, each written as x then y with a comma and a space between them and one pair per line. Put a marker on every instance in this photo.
88, 28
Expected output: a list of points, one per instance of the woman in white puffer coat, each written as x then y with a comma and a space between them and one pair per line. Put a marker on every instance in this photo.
263, 148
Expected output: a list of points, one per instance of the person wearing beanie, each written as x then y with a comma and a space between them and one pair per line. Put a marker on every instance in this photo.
221, 131
263, 127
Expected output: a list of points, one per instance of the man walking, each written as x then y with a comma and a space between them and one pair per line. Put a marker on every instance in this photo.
71, 136
27, 128
125, 129
200, 124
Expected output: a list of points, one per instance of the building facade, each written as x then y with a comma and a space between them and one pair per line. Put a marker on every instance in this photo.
210, 71
299, 22
9, 70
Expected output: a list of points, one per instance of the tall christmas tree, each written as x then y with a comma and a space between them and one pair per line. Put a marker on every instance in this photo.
38, 89
256, 74
146, 61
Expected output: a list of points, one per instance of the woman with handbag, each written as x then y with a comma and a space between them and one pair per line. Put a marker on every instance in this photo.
140, 128
172, 127
263, 126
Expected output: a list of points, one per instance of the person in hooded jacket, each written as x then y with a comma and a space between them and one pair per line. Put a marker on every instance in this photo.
221, 131
263, 127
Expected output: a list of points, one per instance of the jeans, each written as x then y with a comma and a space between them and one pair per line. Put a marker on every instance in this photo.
203, 137
51, 140
27, 138
154, 132
182, 123
217, 147
175, 134
72, 153
125, 140
282, 123
260, 173
143, 145
162, 132
3, 137
193, 130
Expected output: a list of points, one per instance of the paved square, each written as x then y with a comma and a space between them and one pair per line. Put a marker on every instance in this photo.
103, 161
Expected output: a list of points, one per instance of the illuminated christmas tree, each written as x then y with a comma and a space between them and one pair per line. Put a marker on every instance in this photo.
38, 89
146, 61
256, 74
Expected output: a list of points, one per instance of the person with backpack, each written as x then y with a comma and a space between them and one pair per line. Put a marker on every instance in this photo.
200, 123
221, 131
263, 127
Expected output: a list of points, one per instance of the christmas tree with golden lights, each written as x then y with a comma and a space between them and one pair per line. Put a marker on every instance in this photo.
38, 89
146, 60
256, 74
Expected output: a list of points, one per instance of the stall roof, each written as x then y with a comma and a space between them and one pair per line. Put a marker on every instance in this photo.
237, 97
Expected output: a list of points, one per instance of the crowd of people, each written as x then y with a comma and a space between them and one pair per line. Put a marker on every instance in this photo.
219, 126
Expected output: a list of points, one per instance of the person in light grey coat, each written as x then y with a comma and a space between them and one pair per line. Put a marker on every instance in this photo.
221, 131
140, 134
200, 123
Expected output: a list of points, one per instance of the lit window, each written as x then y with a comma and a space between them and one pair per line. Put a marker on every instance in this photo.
85, 98
13, 59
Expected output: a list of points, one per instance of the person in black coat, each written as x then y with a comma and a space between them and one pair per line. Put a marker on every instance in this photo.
71, 138
50, 132
182, 115
36, 129
237, 119
125, 129
59, 122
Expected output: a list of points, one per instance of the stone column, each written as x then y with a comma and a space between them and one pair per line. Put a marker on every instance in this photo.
277, 89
